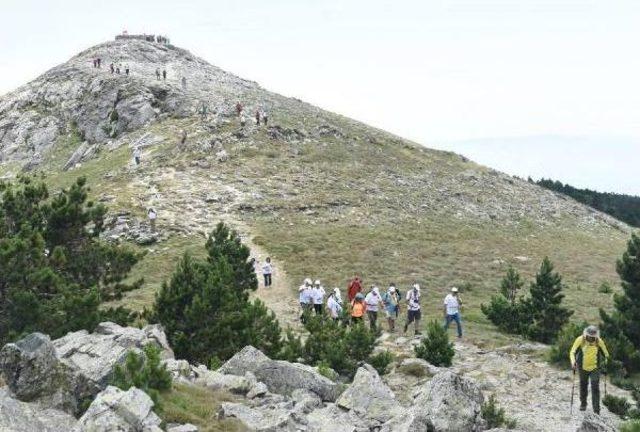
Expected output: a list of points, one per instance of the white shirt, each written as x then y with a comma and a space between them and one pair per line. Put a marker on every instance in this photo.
267, 268
413, 298
317, 293
373, 301
152, 215
452, 304
305, 294
334, 307
136, 153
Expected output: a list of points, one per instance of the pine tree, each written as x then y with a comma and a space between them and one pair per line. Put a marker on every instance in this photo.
205, 309
545, 304
622, 327
54, 271
511, 284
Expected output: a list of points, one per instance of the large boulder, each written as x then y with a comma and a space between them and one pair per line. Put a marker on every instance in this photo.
594, 423
70, 371
94, 355
280, 376
123, 411
271, 419
451, 403
34, 372
17, 416
333, 419
369, 398
447, 403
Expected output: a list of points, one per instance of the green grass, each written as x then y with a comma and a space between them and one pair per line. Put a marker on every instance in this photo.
198, 406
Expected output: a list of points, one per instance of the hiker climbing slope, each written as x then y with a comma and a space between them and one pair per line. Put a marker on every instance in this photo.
413, 309
589, 356
452, 306
373, 302
355, 286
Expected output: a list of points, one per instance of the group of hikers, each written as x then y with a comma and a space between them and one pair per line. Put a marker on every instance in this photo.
261, 115
312, 298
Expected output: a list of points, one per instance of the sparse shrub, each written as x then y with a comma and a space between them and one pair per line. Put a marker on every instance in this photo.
215, 363
617, 405
381, 361
605, 288
630, 426
494, 415
325, 370
144, 371
435, 346
511, 284
414, 370
292, 348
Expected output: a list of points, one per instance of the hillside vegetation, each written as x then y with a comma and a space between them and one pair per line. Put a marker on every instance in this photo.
324, 195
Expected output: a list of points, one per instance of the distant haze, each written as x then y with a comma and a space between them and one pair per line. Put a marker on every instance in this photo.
434, 71
603, 164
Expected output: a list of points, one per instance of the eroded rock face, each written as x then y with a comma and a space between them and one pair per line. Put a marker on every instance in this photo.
66, 373
280, 376
369, 398
117, 410
17, 416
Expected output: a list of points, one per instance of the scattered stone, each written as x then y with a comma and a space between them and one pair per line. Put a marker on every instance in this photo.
188, 427
592, 422
17, 416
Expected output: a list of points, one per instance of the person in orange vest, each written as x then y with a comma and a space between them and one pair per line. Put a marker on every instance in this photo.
358, 309
355, 286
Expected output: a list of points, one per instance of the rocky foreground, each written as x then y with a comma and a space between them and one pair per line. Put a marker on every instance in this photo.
49, 385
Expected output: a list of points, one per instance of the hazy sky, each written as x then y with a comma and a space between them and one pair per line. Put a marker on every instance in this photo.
436, 71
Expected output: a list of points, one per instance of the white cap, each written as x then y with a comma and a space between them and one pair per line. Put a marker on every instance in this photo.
454, 290
376, 290
392, 288
317, 282
416, 286
307, 281
336, 290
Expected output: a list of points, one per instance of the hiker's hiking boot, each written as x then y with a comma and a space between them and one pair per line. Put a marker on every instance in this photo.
417, 333
583, 407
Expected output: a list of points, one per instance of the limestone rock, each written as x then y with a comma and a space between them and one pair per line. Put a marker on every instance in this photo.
369, 398
188, 427
267, 420
592, 422
17, 416
216, 380
333, 419
117, 410
452, 403
280, 376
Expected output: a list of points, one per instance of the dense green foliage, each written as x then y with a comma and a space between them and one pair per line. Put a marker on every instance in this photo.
205, 307
617, 405
495, 416
334, 345
540, 316
623, 207
559, 352
621, 329
54, 271
435, 346
630, 426
382, 361
144, 371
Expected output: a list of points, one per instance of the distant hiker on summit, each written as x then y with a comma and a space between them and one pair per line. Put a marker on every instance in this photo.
184, 83
126, 70
265, 118
112, 67
136, 155
258, 117
157, 74
589, 356
239, 109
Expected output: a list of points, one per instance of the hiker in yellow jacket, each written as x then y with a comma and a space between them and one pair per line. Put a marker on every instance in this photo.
586, 357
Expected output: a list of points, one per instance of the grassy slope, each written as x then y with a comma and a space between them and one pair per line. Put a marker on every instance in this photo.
319, 214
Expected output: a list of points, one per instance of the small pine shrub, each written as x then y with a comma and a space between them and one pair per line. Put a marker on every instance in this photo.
495, 416
414, 370
325, 370
381, 361
617, 405
605, 288
144, 371
630, 426
292, 348
435, 346
215, 363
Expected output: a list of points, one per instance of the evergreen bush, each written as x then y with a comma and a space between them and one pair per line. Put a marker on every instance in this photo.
617, 405
144, 371
435, 346
381, 361
494, 415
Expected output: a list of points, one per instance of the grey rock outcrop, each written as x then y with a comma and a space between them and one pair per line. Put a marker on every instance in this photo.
95, 354
259, 420
34, 372
594, 423
17, 416
280, 376
117, 410
369, 398
182, 428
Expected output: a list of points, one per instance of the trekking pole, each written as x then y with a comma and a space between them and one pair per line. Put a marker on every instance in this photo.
573, 391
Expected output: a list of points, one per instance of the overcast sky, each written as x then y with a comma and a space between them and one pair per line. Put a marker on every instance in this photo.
532, 87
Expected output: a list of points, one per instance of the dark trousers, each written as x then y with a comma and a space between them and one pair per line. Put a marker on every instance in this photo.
267, 280
594, 377
318, 308
454, 317
356, 320
373, 319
